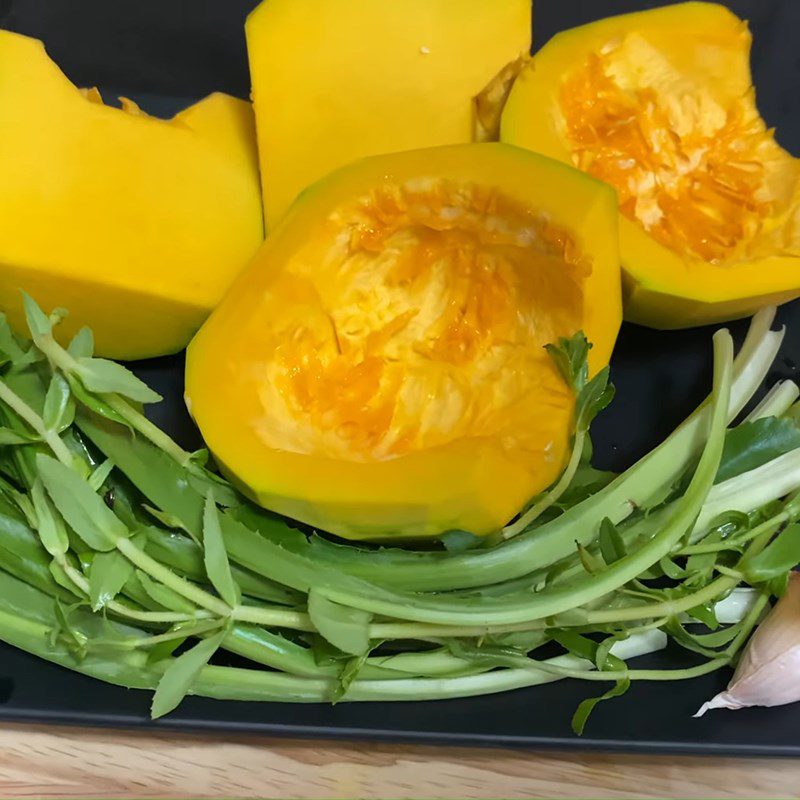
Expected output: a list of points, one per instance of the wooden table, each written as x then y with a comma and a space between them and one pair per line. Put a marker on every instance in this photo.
62, 762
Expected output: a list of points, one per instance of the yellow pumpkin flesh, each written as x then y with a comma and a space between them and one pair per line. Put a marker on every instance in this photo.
136, 224
379, 369
343, 79
660, 105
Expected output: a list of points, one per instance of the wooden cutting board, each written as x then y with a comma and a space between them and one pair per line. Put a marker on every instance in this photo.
57, 762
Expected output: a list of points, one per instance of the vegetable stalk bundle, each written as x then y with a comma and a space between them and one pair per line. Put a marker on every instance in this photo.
126, 558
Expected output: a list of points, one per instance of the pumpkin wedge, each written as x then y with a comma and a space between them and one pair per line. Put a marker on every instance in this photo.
379, 369
336, 80
660, 104
137, 224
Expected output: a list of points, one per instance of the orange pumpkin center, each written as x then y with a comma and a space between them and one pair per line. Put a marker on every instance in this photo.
703, 176
424, 323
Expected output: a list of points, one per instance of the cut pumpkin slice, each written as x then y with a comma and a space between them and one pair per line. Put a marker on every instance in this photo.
379, 369
660, 105
137, 224
338, 80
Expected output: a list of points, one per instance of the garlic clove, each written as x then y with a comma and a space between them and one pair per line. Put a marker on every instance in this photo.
768, 673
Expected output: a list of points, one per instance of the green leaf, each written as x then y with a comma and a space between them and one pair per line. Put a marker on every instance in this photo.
179, 633
753, 444
591, 563
58, 315
108, 573
76, 641
718, 638
100, 475
594, 397
671, 569
523, 641
9, 437
346, 677
39, 323
612, 545
778, 585
82, 344
459, 541
576, 644
586, 482
199, 457
325, 654
700, 565
727, 524
167, 520
584, 710
494, 656
689, 641
121, 506
25, 505
10, 504
59, 407
175, 523
215, 557
62, 579
345, 628
603, 653
106, 377
93, 403
571, 357
11, 347
779, 557
201, 480
705, 614
50, 526
163, 595
84, 510
164, 649
159, 477
179, 677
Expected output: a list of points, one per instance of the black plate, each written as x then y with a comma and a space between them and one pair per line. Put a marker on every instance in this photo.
186, 48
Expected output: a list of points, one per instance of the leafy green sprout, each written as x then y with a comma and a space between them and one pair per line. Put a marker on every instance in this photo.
571, 357
117, 547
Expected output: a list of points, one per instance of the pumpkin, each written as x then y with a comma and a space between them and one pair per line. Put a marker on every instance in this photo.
660, 104
341, 79
379, 369
137, 224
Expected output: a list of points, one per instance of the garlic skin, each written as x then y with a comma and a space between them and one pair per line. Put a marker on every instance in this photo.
769, 670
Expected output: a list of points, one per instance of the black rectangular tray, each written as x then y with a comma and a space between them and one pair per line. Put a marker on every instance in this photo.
165, 54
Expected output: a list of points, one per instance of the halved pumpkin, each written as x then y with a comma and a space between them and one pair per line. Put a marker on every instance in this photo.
379, 369
660, 104
137, 224
337, 80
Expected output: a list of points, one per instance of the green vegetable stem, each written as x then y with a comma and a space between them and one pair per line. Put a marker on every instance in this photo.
124, 557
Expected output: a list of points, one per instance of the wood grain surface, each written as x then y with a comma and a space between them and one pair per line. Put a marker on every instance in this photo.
61, 762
